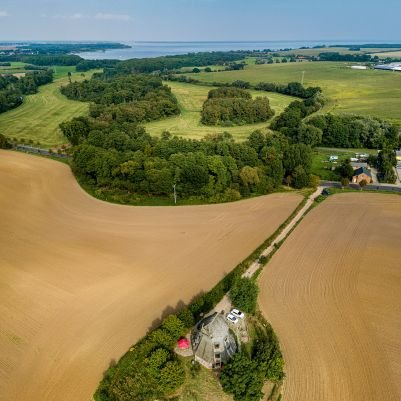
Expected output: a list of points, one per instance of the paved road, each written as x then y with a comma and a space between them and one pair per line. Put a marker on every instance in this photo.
371, 187
256, 265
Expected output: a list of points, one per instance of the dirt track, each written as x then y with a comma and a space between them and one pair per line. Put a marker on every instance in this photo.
81, 280
333, 295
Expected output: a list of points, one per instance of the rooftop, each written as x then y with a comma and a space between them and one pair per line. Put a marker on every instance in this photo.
362, 170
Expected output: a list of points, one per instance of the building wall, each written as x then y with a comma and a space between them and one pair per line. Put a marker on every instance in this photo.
358, 178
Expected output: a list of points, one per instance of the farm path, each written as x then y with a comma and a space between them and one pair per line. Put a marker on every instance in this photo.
255, 266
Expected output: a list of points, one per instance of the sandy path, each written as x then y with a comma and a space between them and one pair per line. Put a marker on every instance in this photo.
81, 280
333, 295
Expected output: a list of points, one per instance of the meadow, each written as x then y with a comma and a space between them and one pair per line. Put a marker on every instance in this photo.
38, 118
191, 98
332, 294
365, 92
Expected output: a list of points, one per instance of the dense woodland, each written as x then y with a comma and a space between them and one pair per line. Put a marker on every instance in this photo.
122, 99
348, 131
13, 89
229, 106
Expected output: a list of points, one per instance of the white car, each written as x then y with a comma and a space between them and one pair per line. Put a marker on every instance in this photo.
231, 318
237, 313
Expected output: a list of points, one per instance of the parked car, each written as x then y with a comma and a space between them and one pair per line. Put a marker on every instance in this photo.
231, 318
237, 313
325, 192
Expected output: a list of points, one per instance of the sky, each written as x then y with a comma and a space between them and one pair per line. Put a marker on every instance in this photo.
203, 20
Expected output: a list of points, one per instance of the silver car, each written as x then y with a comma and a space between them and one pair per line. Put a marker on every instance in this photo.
237, 313
231, 318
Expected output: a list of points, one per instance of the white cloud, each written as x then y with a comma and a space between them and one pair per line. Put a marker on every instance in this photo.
4, 13
113, 17
77, 16
98, 16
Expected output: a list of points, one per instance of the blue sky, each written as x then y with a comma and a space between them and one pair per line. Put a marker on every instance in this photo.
128, 20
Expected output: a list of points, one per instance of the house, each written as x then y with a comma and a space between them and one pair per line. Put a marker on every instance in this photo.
361, 174
212, 342
333, 157
398, 155
355, 164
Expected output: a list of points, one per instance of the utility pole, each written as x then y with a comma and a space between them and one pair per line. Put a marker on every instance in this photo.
175, 195
303, 76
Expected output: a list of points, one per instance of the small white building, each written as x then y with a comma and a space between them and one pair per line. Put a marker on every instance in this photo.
333, 158
359, 67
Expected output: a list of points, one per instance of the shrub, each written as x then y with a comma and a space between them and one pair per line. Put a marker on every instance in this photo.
174, 326
172, 376
4, 144
244, 294
344, 181
263, 260
186, 318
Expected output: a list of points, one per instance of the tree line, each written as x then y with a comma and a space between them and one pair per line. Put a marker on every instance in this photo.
295, 89
13, 89
233, 106
350, 131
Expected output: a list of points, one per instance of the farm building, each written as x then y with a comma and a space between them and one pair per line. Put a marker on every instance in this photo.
389, 67
361, 174
212, 342
355, 165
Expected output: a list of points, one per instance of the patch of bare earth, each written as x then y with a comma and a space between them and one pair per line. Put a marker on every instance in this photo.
333, 296
81, 280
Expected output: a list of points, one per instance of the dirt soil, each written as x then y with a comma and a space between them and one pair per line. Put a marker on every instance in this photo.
81, 280
333, 296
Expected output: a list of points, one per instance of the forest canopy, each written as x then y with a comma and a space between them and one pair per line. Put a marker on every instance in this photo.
233, 106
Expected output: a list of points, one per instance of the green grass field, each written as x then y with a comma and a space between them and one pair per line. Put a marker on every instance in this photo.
322, 167
366, 92
38, 118
191, 98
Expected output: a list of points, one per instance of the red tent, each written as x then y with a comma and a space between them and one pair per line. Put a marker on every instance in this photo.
183, 343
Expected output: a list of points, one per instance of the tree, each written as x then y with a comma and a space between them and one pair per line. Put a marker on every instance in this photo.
363, 183
345, 169
309, 135
69, 76
172, 376
242, 377
314, 181
249, 175
196, 70
344, 181
208, 69
244, 294
173, 325
300, 178
4, 144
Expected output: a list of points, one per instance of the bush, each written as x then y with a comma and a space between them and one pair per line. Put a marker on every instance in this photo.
172, 376
244, 294
344, 181
241, 378
4, 144
174, 326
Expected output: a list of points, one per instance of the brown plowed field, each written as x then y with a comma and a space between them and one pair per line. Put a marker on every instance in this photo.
333, 295
81, 280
